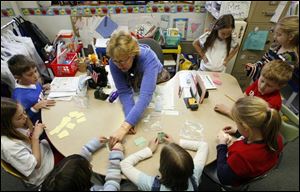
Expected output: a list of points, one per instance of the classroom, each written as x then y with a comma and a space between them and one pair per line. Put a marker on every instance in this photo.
150, 95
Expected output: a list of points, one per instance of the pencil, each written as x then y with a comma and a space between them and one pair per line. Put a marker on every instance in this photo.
230, 98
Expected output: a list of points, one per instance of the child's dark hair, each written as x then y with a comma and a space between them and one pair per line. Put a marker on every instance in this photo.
8, 110
255, 113
73, 173
176, 167
19, 64
225, 21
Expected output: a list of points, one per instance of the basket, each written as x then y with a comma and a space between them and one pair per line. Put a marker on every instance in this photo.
171, 41
66, 69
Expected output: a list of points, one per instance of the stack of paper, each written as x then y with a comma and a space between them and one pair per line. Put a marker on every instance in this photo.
63, 88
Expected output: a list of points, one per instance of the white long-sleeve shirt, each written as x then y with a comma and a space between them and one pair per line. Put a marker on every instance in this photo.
19, 154
144, 182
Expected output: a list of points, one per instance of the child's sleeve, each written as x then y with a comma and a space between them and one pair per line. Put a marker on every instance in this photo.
200, 157
202, 38
224, 171
234, 40
19, 157
113, 175
89, 148
140, 179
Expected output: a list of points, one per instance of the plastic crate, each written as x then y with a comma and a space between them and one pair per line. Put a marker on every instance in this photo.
67, 69
171, 41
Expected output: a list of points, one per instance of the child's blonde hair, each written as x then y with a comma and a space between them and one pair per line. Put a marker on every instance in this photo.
278, 71
176, 167
290, 26
122, 43
254, 113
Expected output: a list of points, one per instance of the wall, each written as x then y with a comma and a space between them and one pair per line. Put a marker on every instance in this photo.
50, 25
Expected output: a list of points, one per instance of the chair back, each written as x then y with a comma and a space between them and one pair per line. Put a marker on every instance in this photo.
289, 129
154, 45
210, 171
11, 170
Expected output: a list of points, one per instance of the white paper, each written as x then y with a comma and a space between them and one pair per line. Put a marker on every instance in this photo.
169, 62
186, 92
278, 11
102, 43
60, 94
64, 84
185, 79
170, 112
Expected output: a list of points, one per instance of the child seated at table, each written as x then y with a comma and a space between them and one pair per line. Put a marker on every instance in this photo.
28, 91
20, 144
258, 150
179, 171
274, 76
74, 173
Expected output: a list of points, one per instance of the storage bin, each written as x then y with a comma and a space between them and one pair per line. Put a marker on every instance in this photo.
171, 41
66, 69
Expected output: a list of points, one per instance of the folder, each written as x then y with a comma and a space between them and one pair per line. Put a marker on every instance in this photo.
106, 27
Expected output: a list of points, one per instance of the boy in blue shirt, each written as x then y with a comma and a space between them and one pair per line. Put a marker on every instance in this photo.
28, 91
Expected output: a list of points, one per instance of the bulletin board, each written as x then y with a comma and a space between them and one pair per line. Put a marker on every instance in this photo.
75, 19
194, 23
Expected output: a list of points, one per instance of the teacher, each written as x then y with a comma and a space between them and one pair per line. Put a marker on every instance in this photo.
134, 68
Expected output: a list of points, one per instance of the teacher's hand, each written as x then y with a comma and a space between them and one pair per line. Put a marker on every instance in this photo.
132, 131
117, 137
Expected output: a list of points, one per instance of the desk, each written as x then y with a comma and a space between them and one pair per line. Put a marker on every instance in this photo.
103, 118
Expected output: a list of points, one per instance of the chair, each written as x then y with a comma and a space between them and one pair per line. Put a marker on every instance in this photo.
14, 172
293, 83
154, 45
11, 170
210, 171
290, 128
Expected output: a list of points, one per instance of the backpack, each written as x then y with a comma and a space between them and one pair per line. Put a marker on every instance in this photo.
156, 184
39, 39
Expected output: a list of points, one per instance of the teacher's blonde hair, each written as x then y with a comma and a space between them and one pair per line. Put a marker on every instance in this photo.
122, 44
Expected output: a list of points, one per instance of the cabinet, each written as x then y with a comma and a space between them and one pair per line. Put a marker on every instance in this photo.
172, 66
259, 19
249, 56
262, 11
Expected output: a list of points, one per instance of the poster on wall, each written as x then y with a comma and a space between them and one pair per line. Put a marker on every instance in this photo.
181, 24
164, 22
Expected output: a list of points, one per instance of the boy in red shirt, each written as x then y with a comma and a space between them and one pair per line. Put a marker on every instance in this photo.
274, 76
